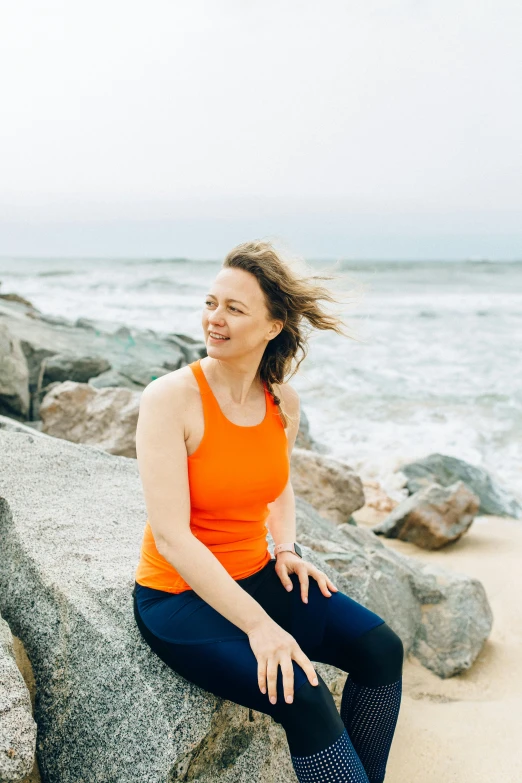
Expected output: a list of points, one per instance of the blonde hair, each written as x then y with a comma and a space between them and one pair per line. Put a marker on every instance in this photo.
290, 296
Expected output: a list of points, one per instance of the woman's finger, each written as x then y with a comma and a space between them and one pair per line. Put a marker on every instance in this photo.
285, 579
303, 579
261, 674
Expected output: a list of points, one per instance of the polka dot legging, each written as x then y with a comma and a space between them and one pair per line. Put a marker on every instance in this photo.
360, 753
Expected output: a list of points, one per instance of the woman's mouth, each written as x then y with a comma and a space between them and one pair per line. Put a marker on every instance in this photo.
216, 338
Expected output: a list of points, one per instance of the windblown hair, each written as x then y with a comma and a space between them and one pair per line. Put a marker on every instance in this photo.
290, 297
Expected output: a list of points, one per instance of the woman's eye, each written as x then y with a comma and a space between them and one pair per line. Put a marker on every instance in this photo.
232, 308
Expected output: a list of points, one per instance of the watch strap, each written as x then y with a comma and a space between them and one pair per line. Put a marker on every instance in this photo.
291, 547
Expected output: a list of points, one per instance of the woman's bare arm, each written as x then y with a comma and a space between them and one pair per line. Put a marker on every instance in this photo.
281, 520
162, 461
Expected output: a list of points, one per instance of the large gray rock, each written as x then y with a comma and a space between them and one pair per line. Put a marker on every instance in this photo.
108, 710
444, 470
17, 725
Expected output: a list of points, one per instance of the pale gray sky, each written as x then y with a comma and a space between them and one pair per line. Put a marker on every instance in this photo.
364, 129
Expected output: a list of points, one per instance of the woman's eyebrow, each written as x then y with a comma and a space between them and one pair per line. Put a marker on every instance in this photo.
230, 300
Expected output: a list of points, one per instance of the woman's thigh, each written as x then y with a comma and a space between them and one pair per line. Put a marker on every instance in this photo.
340, 631
327, 628
205, 648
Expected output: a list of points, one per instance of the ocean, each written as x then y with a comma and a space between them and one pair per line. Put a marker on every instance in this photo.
436, 366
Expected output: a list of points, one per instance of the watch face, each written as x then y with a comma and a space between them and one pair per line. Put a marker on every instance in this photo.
298, 549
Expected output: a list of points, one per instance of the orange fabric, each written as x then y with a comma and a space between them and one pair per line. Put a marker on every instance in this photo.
233, 474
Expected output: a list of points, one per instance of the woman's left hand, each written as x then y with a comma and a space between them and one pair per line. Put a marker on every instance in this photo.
290, 563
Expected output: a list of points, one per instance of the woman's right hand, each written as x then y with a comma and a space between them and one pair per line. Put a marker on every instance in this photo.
274, 647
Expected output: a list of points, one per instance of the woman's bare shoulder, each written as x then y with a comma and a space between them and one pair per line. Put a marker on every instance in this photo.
180, 382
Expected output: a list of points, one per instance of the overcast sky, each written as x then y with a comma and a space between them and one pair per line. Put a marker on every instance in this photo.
365, 129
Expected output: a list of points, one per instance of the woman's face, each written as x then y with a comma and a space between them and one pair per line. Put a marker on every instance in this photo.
235, 308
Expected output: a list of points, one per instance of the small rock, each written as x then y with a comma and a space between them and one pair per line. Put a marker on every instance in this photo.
433, 517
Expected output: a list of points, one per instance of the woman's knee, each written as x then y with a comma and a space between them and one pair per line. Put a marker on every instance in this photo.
377, 656
312, 721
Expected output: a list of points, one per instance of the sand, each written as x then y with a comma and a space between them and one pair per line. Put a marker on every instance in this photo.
467, 728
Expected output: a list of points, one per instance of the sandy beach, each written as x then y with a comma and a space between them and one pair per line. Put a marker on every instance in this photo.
467, 729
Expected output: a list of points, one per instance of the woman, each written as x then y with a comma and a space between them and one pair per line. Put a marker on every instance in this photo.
214, 441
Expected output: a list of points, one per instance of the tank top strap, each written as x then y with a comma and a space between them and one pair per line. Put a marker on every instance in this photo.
207, 395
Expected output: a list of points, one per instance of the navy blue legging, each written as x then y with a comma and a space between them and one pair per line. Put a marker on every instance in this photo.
205, 648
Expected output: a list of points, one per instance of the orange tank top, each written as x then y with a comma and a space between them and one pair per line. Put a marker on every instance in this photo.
233, 474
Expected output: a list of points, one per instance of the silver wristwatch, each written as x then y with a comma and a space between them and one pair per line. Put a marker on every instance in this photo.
294, 547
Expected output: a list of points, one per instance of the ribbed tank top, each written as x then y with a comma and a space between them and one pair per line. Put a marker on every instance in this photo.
233, 474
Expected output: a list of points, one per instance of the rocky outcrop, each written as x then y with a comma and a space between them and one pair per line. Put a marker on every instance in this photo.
329, 485
444, 470
17, 725
70, 539
38, 350
433, 517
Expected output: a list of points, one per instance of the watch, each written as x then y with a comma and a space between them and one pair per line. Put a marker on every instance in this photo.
294, 547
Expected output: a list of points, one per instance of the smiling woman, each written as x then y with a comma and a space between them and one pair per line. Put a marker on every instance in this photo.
214, 450
258, 303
